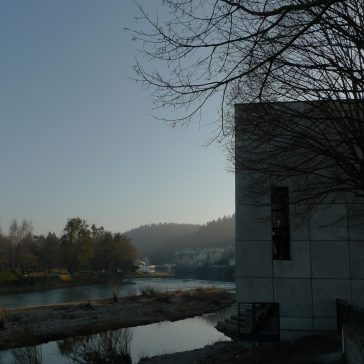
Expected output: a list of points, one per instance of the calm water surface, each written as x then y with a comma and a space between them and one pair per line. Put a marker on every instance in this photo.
103, 291
148, 340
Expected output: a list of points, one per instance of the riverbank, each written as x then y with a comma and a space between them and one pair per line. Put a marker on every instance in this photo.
315, 349
40, 324
149, 275
44, 283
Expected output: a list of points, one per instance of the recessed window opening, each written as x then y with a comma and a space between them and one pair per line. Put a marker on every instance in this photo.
280, 223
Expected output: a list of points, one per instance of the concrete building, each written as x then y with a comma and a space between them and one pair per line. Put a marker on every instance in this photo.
312, 264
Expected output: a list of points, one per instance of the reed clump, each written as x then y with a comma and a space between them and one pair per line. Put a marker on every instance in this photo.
87, 305
213, 294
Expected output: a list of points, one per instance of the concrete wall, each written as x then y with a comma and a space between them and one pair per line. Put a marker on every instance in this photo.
327, 260
325, 265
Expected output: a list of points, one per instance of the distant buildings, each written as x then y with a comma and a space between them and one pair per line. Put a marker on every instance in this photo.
203, 257
142, 267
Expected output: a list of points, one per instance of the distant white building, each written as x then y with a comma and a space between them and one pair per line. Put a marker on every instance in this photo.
142, 267
302, 268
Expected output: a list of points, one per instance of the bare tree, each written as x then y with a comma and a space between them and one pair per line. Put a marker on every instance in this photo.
28, 355
17, 233
108, 347
263, 52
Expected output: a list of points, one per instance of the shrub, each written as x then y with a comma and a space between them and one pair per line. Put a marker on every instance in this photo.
148, 291
6, 277
162, 297
86, 306
214, 295
132, 293
115, 291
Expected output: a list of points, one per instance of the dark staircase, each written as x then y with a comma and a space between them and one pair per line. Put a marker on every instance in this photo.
255, 321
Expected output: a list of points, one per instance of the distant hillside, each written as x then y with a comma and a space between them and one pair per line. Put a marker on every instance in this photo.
215, 234
161, 242
147, 238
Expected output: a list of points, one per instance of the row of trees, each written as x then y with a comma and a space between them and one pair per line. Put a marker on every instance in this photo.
81, 247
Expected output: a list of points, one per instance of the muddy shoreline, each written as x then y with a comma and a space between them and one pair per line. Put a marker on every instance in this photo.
40, 324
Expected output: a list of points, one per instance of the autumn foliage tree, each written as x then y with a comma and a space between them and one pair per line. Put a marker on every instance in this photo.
77, 245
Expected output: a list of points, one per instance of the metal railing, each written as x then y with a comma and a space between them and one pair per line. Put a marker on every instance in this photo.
258, 321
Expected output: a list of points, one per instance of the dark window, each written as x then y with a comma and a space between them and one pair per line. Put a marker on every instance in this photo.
280, 223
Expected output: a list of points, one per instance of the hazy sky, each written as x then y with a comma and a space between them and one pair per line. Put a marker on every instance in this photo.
77, 136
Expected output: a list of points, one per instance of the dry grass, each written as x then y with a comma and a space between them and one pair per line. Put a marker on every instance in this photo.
115, 289
86, 306
132, 293
161, 296
8, 315
214, 295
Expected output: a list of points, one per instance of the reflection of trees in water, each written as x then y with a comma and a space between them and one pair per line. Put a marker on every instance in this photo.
112, 347
27, 355
217, 316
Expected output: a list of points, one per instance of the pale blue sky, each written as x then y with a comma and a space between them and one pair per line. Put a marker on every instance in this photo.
77, 136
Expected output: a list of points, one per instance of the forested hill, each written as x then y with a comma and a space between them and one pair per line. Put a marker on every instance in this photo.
215, 233
148, 237
161, 241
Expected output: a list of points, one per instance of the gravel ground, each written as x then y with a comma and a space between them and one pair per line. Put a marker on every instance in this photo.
315, 349
40, 324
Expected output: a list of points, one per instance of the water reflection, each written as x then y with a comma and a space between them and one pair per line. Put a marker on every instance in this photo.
27, 355
124, 346
112, 347
145, 340
218, 316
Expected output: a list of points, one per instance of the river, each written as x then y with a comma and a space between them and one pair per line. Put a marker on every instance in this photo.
96, 291
147, 340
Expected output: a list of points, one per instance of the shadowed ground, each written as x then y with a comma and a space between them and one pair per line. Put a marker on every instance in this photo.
315, 349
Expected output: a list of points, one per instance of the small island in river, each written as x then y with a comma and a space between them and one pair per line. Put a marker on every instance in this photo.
39, 324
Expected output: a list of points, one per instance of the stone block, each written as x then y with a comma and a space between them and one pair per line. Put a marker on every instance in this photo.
358, 292
253, 259
357, 259
325, 292
254, 290
330, 259
329, 222
356, 222
243, 195
299, 266
325, 324
294, 297
296, 323
253, 222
